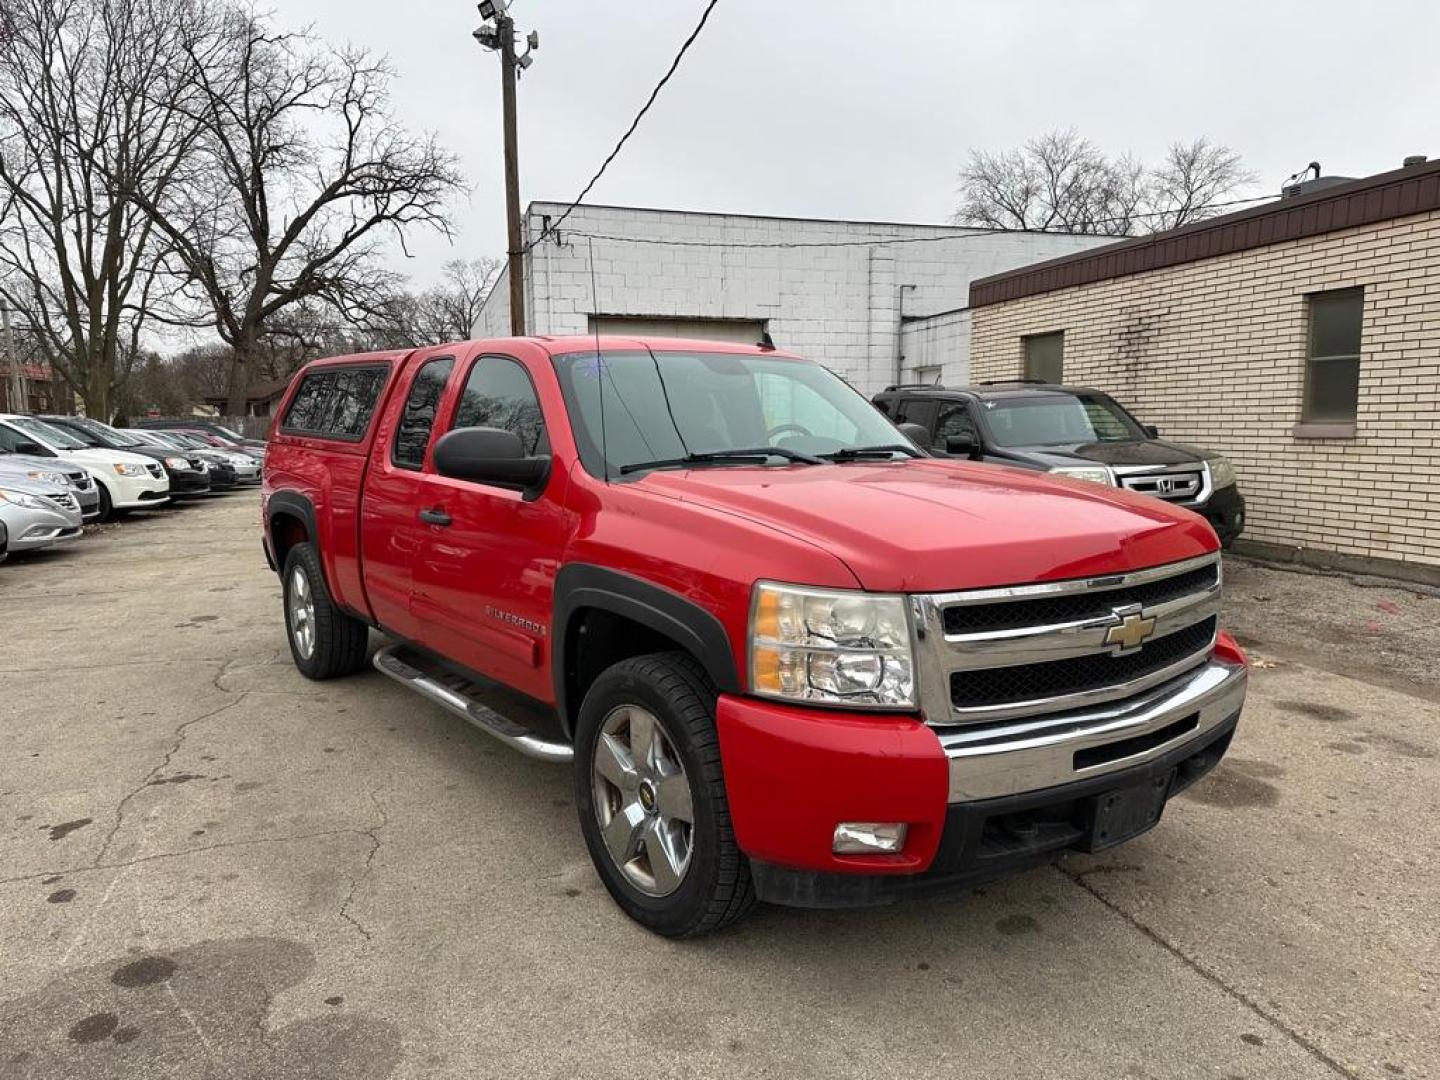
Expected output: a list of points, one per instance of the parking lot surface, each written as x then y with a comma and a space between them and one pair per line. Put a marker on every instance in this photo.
210, 867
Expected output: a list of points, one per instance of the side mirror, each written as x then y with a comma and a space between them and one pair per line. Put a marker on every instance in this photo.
916, 433
490, 456
961, 445
1152, 431
34, 449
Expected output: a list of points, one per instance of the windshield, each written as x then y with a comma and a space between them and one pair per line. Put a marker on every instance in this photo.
670, 405
1053, 419
60, 440
88, 432
112, 437
228, 433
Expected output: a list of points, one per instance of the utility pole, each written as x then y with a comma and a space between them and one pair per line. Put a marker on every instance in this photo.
506, 26
498, 35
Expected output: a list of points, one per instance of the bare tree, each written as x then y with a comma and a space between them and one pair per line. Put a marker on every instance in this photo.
302, 177
450, 310
92, 112
1062, 182
1058, 182
1193, 177
445, 312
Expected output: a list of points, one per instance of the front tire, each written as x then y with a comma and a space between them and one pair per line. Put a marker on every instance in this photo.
324, 641
107, 505
651, 795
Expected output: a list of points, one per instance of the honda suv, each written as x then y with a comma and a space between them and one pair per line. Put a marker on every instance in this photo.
1071, 431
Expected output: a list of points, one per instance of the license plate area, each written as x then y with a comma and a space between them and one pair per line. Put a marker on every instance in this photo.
1124, 813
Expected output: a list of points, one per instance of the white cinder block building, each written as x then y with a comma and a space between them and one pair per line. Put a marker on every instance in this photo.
878, 303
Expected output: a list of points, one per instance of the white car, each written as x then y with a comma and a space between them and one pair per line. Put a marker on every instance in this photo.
127, 481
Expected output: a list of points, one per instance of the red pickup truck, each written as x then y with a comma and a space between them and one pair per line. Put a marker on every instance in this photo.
792, 657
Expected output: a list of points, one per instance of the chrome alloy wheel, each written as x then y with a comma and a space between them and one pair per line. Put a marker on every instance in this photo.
300, 610
642, 800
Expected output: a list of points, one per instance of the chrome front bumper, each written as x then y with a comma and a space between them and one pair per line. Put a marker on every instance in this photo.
992, 760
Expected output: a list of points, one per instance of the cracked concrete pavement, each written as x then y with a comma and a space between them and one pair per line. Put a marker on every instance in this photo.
210, 867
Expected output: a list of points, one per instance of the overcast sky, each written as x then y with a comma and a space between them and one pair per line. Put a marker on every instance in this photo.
849, 109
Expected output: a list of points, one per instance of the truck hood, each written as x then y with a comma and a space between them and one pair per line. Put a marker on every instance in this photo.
931, 525
1139, 452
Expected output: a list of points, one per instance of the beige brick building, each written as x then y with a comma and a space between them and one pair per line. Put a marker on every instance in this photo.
1244, 334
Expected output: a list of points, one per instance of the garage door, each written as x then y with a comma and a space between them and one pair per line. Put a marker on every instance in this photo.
748, 331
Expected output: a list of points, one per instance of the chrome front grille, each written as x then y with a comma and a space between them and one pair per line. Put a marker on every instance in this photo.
82, 481
156, 470
1080, 674
1000, 654
1074, 607
66, 502
1184, 484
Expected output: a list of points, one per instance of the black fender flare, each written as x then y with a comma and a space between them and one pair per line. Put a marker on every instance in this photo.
289, 502
697, 631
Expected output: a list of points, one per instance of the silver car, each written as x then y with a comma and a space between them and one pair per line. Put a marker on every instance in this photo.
36, 514
55, 471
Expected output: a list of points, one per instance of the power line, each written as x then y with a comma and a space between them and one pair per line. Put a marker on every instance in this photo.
674, 64
889, 240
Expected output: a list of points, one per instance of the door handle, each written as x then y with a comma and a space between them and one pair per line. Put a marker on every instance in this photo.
435, 516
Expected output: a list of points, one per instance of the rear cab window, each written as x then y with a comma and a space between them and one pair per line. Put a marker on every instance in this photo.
335, 402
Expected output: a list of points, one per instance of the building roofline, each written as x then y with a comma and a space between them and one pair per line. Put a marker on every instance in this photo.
959, 230
1413, 189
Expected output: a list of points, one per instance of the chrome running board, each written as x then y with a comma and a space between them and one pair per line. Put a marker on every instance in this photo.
454, 700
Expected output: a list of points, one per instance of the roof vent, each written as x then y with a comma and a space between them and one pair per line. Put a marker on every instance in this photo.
1297, 185
1414, 161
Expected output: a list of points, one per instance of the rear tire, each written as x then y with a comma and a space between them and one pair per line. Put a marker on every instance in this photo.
668, 693
325, 643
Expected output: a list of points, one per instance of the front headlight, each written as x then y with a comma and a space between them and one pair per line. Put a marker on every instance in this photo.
50, 478
124, 468
1096, 474
1222, 473
831, 647
21, 498
178, 463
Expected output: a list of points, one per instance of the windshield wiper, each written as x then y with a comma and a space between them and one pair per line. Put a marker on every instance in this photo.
758, 455
852, 453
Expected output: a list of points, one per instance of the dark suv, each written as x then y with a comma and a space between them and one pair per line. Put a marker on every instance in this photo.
1072, 431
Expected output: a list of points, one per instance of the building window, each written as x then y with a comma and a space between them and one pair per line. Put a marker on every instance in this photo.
928, 376
1045, 357
1332, 366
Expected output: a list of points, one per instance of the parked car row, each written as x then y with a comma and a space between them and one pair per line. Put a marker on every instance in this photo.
58, 472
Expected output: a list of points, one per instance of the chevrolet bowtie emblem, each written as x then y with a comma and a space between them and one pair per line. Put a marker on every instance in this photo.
1131, 632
